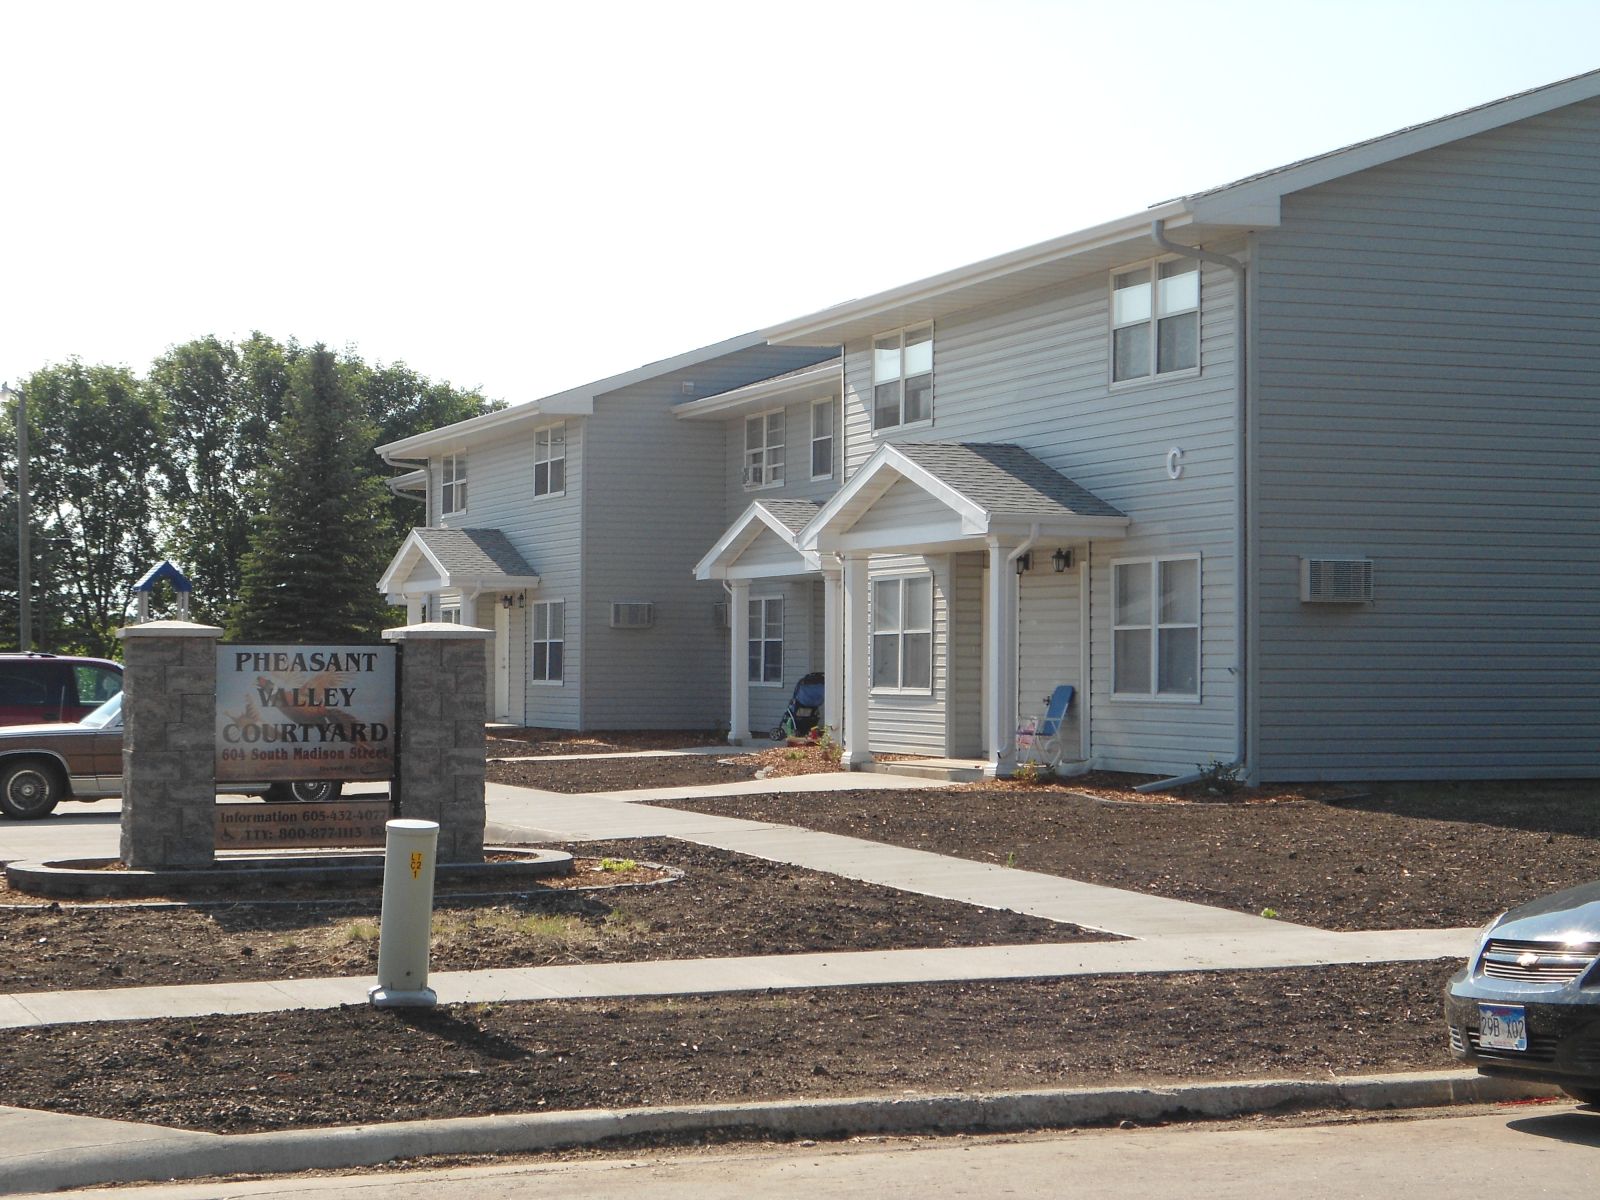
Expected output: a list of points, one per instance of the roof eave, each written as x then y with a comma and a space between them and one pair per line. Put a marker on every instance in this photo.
828, 325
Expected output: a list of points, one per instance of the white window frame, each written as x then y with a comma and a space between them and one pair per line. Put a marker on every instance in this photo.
544, 455
453, 485
830, 437
872, 350
757, 632
1155, 625
535, 641
1152, 373
763, 464
900, 633
450, 611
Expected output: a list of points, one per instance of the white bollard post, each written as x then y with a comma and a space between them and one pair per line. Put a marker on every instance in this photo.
405, 925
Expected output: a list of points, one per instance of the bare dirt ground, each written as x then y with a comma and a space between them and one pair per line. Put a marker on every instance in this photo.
358, 1064
1380, 857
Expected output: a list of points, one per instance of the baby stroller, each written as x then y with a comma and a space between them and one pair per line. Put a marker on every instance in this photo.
805, 708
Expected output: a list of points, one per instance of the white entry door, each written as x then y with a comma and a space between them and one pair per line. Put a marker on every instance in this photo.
502, 663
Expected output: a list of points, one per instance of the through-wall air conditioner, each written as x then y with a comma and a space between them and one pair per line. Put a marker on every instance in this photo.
633, 614
754, 477
720, 615
1336, 580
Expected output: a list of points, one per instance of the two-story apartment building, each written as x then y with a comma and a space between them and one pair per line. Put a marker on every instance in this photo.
1296, 473
569, 525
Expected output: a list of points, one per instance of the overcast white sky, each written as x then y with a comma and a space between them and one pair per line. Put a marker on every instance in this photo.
524, 197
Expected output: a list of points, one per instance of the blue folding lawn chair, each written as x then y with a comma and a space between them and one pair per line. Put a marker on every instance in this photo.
1039, 738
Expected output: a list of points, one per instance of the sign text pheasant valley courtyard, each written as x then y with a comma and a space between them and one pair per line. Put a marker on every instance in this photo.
305, 713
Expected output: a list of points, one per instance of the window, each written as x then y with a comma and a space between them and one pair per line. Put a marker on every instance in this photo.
902, 377
1155, 320
822, 439
97, 684
453, 488
550, 461
766, 640
763, 449
450, 613
548, 639
902, 633
1156, 651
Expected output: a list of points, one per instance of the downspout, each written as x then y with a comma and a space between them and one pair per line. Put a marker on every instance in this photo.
1158, 234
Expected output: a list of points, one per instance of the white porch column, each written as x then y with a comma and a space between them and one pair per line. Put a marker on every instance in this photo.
856, 636
1000, 654
833, 652
738, 665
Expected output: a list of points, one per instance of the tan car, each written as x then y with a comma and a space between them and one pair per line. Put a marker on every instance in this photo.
42, 765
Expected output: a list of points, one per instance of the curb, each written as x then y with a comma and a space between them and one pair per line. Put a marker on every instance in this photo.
188, 1155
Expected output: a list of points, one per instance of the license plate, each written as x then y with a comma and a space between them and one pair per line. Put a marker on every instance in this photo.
1502, 1027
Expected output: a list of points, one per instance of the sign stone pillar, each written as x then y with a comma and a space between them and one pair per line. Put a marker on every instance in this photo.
440, 759
168, 748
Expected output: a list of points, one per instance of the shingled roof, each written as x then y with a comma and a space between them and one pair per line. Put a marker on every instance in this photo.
1002, 478
474, 553
794, 515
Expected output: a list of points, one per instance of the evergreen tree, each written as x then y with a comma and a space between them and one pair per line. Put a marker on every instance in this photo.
314, 560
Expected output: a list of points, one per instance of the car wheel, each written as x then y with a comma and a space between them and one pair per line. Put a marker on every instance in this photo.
1583, 1095
305, 791
30, 790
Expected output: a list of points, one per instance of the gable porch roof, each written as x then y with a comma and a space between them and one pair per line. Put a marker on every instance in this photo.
780, 520
473, 560
978, 491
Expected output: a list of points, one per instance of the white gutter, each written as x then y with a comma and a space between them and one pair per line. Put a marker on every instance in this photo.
1241, 628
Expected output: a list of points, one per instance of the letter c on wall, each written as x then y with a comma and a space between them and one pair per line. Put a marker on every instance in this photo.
1174, 463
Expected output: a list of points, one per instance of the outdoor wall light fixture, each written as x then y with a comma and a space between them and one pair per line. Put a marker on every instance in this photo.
1025, 563
1061, 560
522, 599
505, 601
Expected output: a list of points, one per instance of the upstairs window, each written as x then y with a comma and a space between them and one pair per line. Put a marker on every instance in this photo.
550, 461
763, 449
1156, 643
766, 640
822, 419
1155, 320
902, 377
453, 485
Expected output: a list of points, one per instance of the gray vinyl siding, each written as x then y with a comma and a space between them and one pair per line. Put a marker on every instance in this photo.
1428, 360
914, 722
653, 506
1036, 373
548, 532
797, 482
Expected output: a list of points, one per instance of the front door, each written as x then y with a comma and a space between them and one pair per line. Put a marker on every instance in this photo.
502, 663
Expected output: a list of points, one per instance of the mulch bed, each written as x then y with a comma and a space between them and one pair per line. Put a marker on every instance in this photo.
1402, 856
510, 742
356, 1064
622, 774
724, 904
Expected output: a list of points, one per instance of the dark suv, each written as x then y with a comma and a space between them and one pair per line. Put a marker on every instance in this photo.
35, 688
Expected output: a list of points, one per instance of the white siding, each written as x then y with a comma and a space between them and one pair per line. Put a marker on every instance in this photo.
547, 531
1036, 374
1428, 365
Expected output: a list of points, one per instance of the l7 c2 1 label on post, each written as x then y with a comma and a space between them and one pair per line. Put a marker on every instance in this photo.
305, 712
